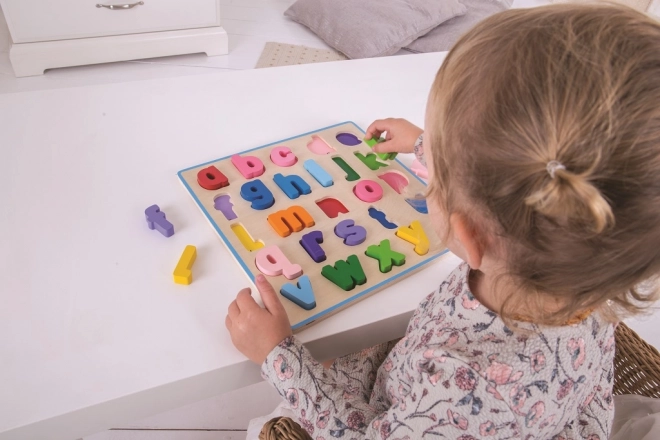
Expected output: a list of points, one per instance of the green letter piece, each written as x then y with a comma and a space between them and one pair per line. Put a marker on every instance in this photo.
385, 256
345, 274
370, 160
383, 156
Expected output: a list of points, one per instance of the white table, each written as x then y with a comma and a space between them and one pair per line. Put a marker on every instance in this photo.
93, 332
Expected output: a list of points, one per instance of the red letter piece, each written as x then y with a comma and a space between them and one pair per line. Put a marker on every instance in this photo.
211, 178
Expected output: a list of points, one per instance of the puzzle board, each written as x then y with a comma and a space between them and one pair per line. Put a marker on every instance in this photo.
334, 165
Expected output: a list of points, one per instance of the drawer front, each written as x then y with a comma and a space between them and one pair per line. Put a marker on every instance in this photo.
45, 20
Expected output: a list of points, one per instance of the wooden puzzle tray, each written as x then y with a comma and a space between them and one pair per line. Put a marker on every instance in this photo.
325, 219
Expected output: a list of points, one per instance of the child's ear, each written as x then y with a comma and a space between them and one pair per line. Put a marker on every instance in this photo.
467, 237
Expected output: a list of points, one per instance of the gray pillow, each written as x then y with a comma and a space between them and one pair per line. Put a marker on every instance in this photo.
444, 36
372, 28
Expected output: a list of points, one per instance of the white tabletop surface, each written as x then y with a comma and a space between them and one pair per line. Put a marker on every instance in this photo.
93, 331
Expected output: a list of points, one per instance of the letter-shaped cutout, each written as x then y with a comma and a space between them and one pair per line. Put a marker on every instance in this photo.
350, 232
368, 191
302, 294
257, 193
381, 218
248, 166
318, 173
331, 207
319, 146
282, 156
385, 256
223, 204
245, 238
183, 270
395, 179
293, 186
370, 160
293, 219
348, 139
414, 234
351, 175
311, 243
156, 220
418, 203
211, 178
271, 261
345, 274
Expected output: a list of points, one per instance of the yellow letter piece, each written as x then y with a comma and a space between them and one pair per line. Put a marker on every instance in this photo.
414, 234
183, 270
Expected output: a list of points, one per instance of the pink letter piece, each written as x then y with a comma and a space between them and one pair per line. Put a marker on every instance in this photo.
248, 166
271, 261
368, 191
282, 156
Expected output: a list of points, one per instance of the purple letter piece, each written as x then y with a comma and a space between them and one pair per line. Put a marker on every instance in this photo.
223, 204
310, 242
156, 220
350, 232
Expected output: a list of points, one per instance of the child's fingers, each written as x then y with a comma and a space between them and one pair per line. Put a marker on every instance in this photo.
245, 301
268, 295
373, 134
233, 311
376, 129
387, 147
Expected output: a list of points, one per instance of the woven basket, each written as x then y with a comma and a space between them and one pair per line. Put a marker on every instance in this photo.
636, 365
283, 428
636, 371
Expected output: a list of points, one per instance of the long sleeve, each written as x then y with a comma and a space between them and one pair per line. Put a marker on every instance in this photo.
419, 151
356, 372
460, 373
419, 164
443, 397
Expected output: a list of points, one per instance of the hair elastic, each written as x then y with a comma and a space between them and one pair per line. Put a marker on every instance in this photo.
553, 166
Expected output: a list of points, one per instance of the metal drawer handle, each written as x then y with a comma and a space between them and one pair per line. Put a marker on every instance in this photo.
113, 7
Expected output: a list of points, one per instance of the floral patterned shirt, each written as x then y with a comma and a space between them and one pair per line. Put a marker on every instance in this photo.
459, 373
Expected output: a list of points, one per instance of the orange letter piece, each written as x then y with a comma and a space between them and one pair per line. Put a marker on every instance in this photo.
293, 219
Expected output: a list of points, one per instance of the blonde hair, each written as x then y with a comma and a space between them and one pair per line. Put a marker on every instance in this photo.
576, 84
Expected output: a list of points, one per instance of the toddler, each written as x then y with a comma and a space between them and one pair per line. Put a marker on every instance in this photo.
542, 142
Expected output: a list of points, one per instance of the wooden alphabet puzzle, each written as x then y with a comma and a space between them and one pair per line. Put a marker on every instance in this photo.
324, 218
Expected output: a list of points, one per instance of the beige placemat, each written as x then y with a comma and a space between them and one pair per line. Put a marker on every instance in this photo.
640, 5
280, 54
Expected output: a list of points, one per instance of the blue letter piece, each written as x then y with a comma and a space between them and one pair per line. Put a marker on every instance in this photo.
293, 186
256, 192
302, 294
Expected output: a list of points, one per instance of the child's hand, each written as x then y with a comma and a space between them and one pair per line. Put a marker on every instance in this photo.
400, 138
256, 331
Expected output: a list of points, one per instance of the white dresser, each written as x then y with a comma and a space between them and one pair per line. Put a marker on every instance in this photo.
58, 33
